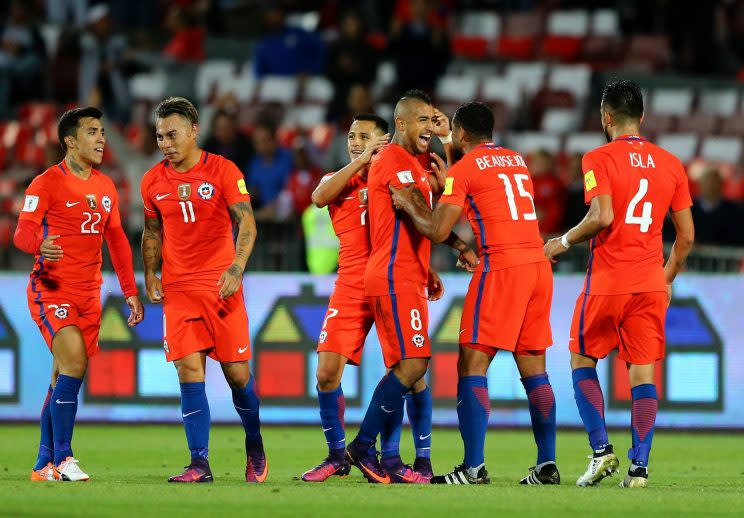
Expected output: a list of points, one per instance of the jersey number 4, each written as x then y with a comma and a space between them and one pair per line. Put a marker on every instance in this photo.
519, 180
644, 220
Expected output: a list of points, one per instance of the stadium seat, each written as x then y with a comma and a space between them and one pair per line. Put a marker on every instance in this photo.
149, 87
559, 120
530, 141
721, 149
276, 89
519, 33
502, 90
719, 102
571, 78
209, 73
682, 145
385, 79
37, 114
700, 123
485, 24
565, 32
605, 22
473, 47
652, 47
733, 125
530, 77
306, 116
456, 89
243, 86
671, 101
583, 142
317, 90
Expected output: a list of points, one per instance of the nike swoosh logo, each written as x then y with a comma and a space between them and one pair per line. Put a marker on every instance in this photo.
191, 413
241, 350
386, 410
458, 403
161, 196
570, 339
350, 198
422, 437
245, 409
72, 204
326, 429
462, 331
65, 402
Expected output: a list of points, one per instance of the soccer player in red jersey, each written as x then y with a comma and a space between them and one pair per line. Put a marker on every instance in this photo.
507, 306
67, 212
191, 200
630, 184
397, 282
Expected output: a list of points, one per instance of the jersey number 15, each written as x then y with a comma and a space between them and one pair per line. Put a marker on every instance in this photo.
519, 180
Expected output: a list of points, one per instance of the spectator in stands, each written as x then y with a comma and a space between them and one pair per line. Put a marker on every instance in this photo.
351, 60
227, 140
268, 170
187, 45
550, 193
302, 181
359, 100
63, 12
102, 63
285, 50
575, 205
22, 57
717, 220
419, 46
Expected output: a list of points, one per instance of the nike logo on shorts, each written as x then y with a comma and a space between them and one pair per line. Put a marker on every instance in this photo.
241, 350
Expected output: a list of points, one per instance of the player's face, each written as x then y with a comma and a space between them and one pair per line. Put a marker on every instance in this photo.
360, 133
89, 140
176, 137
418, 125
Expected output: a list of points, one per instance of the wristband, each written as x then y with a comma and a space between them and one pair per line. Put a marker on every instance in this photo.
564, 241
447, 139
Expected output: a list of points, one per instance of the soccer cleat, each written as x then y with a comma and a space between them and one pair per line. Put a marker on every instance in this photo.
599, 468
400, 473
197, 472
256, 464
423, 466
637, 477
365, 458
329, 467
462, 475
543, 475
69, 471
45, 474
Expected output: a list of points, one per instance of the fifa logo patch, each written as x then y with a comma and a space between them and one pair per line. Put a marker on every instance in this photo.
448, 183
184, 191
91, 199
60, 311
363, 196
418, 340
106, 202
206, 190
322, 337
590, 182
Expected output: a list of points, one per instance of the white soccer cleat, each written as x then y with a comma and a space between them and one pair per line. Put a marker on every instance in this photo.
69, 471
599, 468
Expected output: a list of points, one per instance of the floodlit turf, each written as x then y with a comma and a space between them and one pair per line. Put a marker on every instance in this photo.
690, 474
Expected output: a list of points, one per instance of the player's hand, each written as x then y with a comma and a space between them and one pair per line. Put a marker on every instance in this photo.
402, 197
441, 124
373, 146
439, 168
669, 294
136, 310
49, 250
230, 281
154, 288
468, 260
434, 286
553, 248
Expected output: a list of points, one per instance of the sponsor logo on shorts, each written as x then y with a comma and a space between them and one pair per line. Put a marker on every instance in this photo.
206, 191
106, 202
323, 336
60, 311
418, 340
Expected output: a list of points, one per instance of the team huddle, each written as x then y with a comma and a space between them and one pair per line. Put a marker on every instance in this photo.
388, 205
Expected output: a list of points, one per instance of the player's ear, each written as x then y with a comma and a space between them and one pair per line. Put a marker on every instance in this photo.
643, 116
69, 142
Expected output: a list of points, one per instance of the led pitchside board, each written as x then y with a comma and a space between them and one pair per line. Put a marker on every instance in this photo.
9, 363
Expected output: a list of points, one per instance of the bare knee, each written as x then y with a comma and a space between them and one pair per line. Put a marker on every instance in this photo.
578, 361
531, 365
329, 378
70, 355
411, 370
419, 386
237, 374
472, 362
190, 369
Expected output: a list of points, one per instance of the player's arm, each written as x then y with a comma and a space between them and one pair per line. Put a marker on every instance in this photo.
685, 238
242, 214
121, 258
599, 217
35, 207
330, 187
152, 253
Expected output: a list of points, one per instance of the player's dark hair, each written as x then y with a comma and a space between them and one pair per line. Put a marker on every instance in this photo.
177, 106
624, 99
380, 123
417, 94
476, 118
70, 121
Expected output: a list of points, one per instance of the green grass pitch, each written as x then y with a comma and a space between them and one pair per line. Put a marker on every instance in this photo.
690, 474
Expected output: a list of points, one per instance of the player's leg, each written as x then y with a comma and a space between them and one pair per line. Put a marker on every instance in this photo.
44, 468
419, 410
195, 413
542, 415
643, 419
69, 350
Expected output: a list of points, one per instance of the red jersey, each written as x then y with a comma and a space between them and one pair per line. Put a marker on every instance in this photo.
400, 255
494, 185
198, 244
349, 217
644, 181
79, 211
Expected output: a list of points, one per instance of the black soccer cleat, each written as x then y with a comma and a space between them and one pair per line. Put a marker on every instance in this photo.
462, 475
546, 474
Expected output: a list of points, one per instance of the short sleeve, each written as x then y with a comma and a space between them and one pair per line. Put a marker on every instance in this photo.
681, 199
36, 201
234, 189
456, 187
399, 173
596, 180
147, 204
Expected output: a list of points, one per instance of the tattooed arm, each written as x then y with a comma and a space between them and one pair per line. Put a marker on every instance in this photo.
152, 246
242, 214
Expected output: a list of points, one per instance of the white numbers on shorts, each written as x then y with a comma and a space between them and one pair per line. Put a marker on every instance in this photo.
364, 215
332, 312
416, 320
